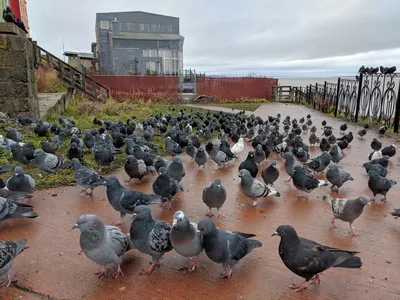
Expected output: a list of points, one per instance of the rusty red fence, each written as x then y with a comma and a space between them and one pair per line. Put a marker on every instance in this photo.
157, 87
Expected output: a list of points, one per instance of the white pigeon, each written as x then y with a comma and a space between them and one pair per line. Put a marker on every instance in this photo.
375, 155
238, 147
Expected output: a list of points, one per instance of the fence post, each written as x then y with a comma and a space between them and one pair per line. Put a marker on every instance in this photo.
323, 98
337, 96
358, 97
316, 94
397, 113
310, 95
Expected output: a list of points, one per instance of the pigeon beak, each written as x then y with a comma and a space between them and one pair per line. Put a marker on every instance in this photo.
369, 203
274, 234
134, 215
74, 227
174, 221
198, 232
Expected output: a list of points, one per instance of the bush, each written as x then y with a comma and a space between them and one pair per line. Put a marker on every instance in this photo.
47, 81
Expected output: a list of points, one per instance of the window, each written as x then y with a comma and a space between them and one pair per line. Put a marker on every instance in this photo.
141, 26
162, 28
169, 28
147, 26
151, 66
153, 27
152, 53
145, 53
104, 25
174, 61
158, 28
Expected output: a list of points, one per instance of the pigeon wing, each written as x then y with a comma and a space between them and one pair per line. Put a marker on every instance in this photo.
338, 205
117, 239
159, 237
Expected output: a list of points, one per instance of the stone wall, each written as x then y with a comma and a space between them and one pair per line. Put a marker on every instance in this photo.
18, 94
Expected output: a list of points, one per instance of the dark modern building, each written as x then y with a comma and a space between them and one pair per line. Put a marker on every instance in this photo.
138, 43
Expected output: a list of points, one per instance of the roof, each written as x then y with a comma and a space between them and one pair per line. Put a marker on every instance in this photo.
136, 11
79, 54
148, 36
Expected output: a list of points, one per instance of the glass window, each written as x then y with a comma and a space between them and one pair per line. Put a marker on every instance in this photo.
153, 27
146, 53
152, 53
147, 27
104, 25
158, 27
141, 26
162, 28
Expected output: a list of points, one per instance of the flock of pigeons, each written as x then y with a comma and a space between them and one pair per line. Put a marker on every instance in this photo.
9, 17
106, 244
376, 70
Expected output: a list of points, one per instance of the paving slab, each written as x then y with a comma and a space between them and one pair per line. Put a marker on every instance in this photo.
53, 265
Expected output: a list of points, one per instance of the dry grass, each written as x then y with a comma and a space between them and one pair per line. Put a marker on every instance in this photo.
47, 81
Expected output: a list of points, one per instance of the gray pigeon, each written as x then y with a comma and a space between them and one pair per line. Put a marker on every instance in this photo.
381, 170
20, 182
10, 209
48, 163
254, 188
201, 157
214, 196
336, 155
8, 251
219, 157
14, 135
135, 168
159, 163
319, 163
176, 169
171, 147
166, 187
379, 185
290, 163
86, 177
337, 177
103, 244
347, 210
225, 247
57, 141
125, 200
305, 182
270, 174
185, 240
14, 195
150, 236
190, 149
259, 154
103, 155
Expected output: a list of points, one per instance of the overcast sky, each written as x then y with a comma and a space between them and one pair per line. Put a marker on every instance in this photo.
297, 38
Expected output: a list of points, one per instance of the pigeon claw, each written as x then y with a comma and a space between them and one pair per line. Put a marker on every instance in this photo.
118, 272
209, 214
101, 273
220, 216
352, 233
118, 223
300, 287
289, 180
316, 279
192, 266
7, 281
148, 271
227, 274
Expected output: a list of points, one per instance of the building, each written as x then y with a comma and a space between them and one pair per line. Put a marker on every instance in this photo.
19, 9
84, 62
137, 42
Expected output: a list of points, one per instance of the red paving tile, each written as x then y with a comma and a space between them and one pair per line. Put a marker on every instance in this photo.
53, 265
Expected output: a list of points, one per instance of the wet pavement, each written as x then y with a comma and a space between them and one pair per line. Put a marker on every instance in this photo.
53, 265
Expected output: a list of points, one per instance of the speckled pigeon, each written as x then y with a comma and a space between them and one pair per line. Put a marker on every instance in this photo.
135, 168
8, 251
166, 187
10, 209
150, 236
214, 196
86, 177
48, 163
337, 177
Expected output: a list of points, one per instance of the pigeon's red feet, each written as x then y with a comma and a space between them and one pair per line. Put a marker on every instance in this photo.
316, 279
352, 233
301, 196
333, 225
7, 280
149, 270
192, 266
118, 223
118, 272
227, 274
101, 273
220, 216
209, 214
299, 287
289, 180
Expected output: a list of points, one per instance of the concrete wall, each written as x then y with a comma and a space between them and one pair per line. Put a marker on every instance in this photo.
3, 5
18, 94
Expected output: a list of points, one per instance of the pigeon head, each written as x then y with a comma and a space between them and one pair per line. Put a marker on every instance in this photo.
111, 180
76, 162
259, 147
62, 135
217, 182
74, 145
332, 167
179, 219
18, 171
141, 212
244, 173
285, 231
298, 168
206, 227
131, 159
273, 163
288, 156
162, 170
177, 159
365, 199
250, 155
88, 223
38, 153
201, 149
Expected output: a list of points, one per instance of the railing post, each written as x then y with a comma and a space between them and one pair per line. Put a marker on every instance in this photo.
316, 94
323, 98
358, 97
337, 96
310, 95
397, 113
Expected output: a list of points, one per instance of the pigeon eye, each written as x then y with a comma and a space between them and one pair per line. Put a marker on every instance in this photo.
83, 222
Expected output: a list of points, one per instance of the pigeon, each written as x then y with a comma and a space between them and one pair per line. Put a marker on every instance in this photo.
22, 154
376, 145
191, 150
305, 182
219, 157
389, 151
238, 147
150, 236
125, 200
379, 185
103, 154
383, 161
47, 147
135, 168
176, 169
319, 163
313, 139
201, 157
259, 155
172, 148
343, 128
103, 244
25, 121
309, 259
214, 196
347, 210
254, 188
375, 155
270, 174
86, 177
20, 182
224, 147
396, 212
185, 240
48, 163
58, 141
250, 164
336, 155
362, 132
88, 139
382, 130
337, 177
382, 171
10, 209
6, 169
8, 251
159, 163
289, 165
75, 152
348, 137
14, 135
324, 145
166, 187
14, 195
226, 247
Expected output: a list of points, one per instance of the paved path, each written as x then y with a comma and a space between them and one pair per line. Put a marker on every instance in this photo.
47, 101
53, 265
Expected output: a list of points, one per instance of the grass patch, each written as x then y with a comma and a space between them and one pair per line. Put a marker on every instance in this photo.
249, 105
83, 111
47, 81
